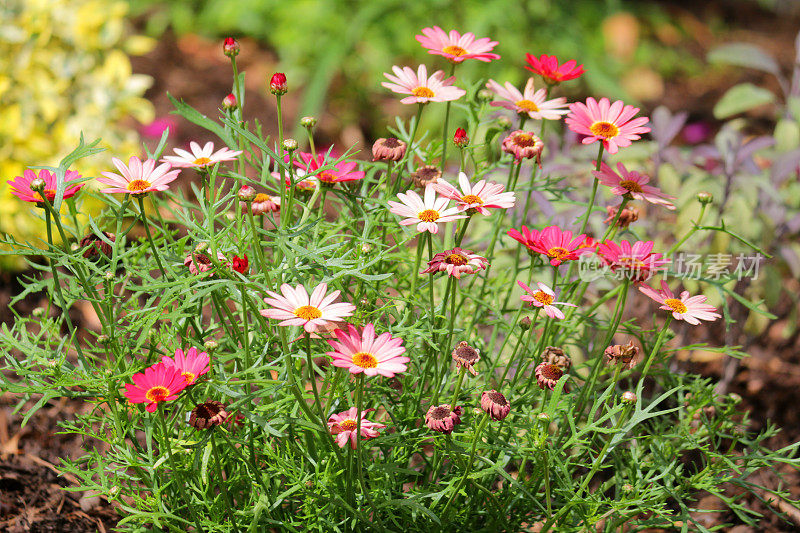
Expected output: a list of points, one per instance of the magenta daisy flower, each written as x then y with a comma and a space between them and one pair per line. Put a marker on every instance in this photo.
529, 102
558, 245
343, 427
479, 197
427, 213
547, 67
21, 185
138, 177
692, 309
456, 47
297, 308
200, 157
634, 261
612, 124
456, 262
191, 365
342, 171
633, 183
421, 88
159, 383
361, 351
545, 298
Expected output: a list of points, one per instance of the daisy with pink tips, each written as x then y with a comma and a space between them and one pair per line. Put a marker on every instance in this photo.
477, 198
341, 171
362, 351
632, 183
421, 88
201, 157
456, 47
548, 68
611, 124
296, 308
158, 383
456, 262
691, 309
635, 261
138, 177
21, 185
529, 102
191, 364
426, 213
343, 427
557, 244
544, 298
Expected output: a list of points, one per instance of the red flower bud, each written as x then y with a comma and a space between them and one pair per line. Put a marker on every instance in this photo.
229, 102
240, 264
230, 47
277, 85
460, 139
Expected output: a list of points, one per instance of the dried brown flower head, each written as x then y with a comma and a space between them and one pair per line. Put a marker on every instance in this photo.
388, 149
442, 418
208, 414
495, 404
623, 354
426, 175
466, 356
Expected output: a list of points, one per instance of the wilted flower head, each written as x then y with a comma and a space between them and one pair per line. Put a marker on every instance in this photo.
426, 175
549, 69
628, 216
31, 188
624, 354
466, 356
343, 427
95, 245
495, 404
388, 149
208, 414
456, 47
524, 145
199, 262
556, 356
547, 375
456, 262
442, 418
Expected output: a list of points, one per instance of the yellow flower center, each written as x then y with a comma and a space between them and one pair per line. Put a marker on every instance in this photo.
543, 298
558, 252
138, 185
527, 105
429, 215
524, 139
189, 377
202, 161
327, 177
50, 194
422, 92
261, 197
456, 259
364, 360
454, 50
603, 129
676, 305
157, 393
631, 185
472, 199
348, 425
307, 312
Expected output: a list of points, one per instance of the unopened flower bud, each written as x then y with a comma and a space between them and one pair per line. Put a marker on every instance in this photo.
38, 312
38, 185
277, 84
103, 339
109, 275
702, 197
485, 95
308, 122
229, 102
525, 323
230, 47
460, 138
366, 247
543, 418
628, 397
210, 345
246, 193
627, 487
201, 247
290, 145
504, 122
74, 247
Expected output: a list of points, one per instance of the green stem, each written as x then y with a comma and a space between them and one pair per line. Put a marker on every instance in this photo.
594, 190
661, 336
461, 233
140, 199
689, 233
410, 148
468, 467
171, 458
222, 482
446, 122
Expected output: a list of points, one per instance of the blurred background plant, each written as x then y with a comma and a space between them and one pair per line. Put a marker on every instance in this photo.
64, 68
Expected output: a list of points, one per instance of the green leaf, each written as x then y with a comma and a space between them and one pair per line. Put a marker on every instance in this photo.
744, 55
192, 115
741, 98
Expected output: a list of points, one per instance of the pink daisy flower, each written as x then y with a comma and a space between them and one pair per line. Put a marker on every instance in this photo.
443, 418
477, 198
343, 427
21, 185
545, 298
558, 245
420, 87
523, 145
456, 47
297, 308
159, 383
692, 309
427, 213
200, 157
635, 261
547, 67
529, 102
262, 203
138, 177
342, 171
612, 124
361, 351
199, 263
191, 365
633, 183
456, 262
